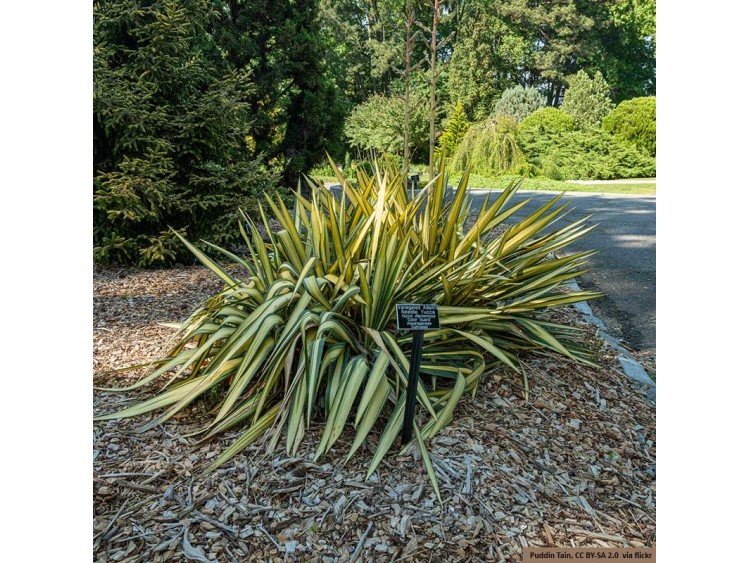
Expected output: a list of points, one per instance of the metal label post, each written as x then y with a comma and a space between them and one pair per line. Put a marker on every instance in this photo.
417, 318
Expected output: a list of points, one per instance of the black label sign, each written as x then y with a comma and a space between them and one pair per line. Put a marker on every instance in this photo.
413, 316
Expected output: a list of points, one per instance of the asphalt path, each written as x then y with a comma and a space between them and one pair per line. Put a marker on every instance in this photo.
624, 268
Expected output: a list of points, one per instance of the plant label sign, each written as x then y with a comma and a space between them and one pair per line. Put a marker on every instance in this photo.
416, 316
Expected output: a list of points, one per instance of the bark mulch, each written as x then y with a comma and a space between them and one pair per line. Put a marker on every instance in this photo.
576, 466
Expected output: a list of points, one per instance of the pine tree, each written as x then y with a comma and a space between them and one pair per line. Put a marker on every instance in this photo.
587, 99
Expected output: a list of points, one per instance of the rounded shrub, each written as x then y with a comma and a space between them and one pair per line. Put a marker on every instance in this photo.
378, 124
547, 120
634, 122
519, 102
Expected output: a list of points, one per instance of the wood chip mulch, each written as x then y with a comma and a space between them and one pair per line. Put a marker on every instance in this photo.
576, 466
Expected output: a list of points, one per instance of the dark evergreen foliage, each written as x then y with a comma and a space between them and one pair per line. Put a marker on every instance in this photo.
169, 133
297, 111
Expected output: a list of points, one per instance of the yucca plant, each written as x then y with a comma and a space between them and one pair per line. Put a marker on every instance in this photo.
309, 332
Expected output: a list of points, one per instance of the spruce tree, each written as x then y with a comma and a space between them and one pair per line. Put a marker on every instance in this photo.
169, 141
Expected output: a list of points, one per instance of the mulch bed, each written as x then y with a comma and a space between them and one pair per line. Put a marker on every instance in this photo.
576, 466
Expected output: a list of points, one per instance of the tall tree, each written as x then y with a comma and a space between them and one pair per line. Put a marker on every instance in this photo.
407, 77
559, 36
346, 27
364, 41
296, 107
315, 115
438, 12
628, 39
485, 58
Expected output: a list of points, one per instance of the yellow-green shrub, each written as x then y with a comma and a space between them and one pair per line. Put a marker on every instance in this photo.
493, 146
585, 155
634, 122
546, 120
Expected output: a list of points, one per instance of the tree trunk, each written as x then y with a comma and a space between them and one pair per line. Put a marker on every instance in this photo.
407, 72
550, 93
558, 95
433, 78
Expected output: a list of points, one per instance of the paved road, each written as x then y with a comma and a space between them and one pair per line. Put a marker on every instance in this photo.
625, 266
624, 269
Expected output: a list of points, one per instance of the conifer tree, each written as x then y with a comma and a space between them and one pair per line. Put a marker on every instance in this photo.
587, 99
455, 129
519, 102
169, 142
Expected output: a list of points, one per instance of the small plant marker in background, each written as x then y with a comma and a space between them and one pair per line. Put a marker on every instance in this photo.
417, 318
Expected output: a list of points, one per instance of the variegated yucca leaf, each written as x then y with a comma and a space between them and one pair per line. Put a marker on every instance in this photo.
308, 332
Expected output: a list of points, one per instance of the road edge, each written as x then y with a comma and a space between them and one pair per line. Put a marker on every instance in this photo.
630, 366
336, 185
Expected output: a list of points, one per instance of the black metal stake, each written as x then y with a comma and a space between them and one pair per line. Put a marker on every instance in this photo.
411, 390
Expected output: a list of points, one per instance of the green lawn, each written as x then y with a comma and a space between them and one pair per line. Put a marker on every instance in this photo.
641, 188
645, 188
477, 181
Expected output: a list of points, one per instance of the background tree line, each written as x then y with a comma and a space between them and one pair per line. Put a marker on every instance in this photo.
201, 106
495, 44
